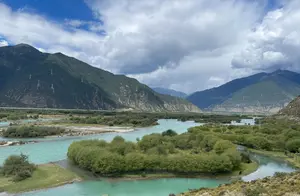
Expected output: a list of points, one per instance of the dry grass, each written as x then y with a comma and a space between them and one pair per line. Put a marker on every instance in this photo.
279, 185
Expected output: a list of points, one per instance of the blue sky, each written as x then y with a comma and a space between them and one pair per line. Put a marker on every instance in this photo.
73, 9
55, 9
185, 45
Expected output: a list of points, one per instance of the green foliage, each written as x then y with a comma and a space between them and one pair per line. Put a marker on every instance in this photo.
157, 153
169, 132
31, 132
272, 135
293, 145
222, 145
17, 167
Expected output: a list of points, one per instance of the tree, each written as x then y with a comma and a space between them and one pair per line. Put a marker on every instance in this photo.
293, 145
222, 145
169, 132
18, 167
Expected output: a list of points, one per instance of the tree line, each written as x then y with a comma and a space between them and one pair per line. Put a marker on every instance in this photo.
31, 131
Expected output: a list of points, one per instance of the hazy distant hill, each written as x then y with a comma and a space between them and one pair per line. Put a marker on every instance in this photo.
29, 78
263, 92
171, 92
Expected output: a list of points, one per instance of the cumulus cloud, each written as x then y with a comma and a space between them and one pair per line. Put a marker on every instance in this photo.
145, 35
275, 43
3, 43
185, 45
177, 44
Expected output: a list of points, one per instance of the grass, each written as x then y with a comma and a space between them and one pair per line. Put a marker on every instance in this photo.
45, 176
295, 161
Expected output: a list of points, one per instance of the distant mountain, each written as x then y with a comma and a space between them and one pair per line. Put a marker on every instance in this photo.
29, 78
263, 92
171, 92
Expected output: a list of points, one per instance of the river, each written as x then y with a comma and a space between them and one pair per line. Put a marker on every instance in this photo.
52, 150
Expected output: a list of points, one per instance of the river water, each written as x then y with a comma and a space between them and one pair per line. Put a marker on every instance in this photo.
55, 149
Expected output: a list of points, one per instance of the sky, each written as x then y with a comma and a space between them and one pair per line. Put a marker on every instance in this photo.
188, 45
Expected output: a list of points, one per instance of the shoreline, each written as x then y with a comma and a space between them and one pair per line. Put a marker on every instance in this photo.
154, 176
46, 176
76, 132
277, 155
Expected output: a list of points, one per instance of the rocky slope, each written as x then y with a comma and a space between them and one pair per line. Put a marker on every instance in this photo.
171, 92
292, 109
29, 78
279, 185
260, 93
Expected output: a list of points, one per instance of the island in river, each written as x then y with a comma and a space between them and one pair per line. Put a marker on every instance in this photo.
189, 154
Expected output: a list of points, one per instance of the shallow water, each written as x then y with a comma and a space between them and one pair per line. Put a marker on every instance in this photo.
160, 187
55, 149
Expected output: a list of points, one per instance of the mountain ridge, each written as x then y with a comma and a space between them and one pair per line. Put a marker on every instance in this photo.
30, 78
259, 93
166, 91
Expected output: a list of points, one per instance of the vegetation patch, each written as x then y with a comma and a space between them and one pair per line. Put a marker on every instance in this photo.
31, 132
17, 167
270, 135
45, 176
188, 154
279, 185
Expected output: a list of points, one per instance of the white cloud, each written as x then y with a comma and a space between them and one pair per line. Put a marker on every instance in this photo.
3, 43
275, 43
185, 45
177, 44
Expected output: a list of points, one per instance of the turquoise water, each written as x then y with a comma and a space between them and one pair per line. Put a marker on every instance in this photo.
4, 124
55, 149
161, 187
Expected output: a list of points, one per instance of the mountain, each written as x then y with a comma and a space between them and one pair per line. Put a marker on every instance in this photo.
263, 93
30, 78
171, 92
292, 109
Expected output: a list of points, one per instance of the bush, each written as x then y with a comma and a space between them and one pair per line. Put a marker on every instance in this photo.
156, 153
293, 145
169, 132
31, 131
18, 167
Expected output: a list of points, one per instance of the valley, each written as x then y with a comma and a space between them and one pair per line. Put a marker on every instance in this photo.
53, 149
81, 130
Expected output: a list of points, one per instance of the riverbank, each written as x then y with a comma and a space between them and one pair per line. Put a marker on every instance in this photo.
279, 185
15, 143
45, 176
71, 130
244, 170
293, 160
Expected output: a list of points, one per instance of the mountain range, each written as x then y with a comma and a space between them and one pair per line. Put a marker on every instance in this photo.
166, 91
30, 78
262, 92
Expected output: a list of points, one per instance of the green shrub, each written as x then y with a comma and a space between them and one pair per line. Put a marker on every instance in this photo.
293, 145
18, 167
